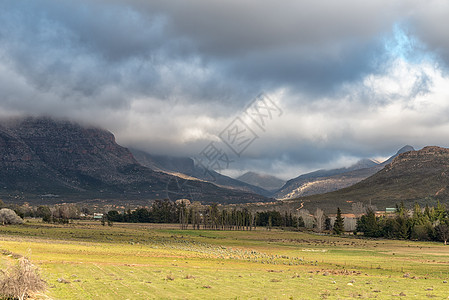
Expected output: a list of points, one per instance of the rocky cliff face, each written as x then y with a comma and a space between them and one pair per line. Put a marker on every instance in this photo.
69, 147
41, 157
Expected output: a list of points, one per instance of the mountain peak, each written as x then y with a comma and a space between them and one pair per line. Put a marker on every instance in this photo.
323, 181
433, 149
431, 152
363, 163
413, 177
264, 181
41, 156
404, 149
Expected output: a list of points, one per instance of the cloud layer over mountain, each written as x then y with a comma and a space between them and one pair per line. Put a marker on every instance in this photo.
353, 79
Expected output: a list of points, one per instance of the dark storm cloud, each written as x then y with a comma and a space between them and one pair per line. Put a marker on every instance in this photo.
80, 47
305, 44
153, 48
429, 23
86, 45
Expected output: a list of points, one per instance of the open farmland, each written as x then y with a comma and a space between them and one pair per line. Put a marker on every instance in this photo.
135, 261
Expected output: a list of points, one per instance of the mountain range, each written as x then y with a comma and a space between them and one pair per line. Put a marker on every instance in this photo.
412, 177
45, 160
185, 167
323, 181
317, 182
265, 181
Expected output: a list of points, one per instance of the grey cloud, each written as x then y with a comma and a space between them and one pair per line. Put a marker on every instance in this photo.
169, 75
304, 44
429, 22
87, 45
233, 27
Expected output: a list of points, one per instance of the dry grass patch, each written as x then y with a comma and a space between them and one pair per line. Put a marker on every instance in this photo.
20, 280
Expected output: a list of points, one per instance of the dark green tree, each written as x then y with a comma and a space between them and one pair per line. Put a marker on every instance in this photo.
327, 223
339, 226
270, 222
369, 225
45, 213
115, 216
402, 226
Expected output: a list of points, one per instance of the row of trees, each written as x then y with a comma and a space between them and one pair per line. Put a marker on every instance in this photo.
199, 216
59, 213
161, 211
192, 215
429, 223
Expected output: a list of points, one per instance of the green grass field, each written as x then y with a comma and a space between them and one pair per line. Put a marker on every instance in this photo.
135, 261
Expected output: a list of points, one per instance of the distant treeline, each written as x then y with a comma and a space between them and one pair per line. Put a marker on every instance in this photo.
425, 224
59, 213
195, 215
199, 216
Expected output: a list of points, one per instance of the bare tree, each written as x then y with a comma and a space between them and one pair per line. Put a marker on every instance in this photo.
196, 214
359, 209
66, 211
8, 216
371, 207
307, 218
319, 219
20, 280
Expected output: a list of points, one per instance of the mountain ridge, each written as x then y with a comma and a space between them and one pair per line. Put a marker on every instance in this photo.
72, 162
420, 176
185, 167
265, 181
323, 181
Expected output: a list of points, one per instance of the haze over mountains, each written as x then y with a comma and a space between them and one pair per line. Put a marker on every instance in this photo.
185, 167
51, 161
265, 181
321, 181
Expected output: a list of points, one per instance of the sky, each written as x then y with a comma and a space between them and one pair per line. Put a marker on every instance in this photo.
351, 79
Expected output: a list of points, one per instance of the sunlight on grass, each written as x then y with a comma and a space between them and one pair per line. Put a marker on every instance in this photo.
89, 261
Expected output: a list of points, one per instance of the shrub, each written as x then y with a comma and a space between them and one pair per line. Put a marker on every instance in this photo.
420, 232
20, 281
8, 216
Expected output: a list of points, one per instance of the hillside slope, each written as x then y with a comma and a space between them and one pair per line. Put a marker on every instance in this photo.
324, 181
415, 176
265, 181
185, 167
43, 160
